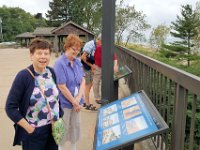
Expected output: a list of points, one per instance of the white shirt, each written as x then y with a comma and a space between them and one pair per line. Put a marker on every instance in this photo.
89, 47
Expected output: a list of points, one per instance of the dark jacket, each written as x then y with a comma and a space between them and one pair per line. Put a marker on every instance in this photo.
18, 100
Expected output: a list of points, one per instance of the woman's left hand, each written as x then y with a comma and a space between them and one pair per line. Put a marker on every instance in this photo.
77, 107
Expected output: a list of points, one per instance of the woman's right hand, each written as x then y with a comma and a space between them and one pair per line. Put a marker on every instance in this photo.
24, 124
30, 130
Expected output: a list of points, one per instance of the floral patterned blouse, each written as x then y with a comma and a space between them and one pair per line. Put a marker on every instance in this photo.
38, 114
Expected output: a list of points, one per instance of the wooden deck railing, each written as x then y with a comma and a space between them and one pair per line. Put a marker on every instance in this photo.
175, 93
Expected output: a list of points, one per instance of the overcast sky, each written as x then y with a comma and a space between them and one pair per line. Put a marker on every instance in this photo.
157, 11
160, 11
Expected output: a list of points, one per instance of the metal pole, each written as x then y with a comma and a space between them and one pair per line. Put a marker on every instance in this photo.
108, 25
109, 91
1, 34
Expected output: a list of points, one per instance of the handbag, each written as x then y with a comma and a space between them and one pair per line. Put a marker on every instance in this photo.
58, 127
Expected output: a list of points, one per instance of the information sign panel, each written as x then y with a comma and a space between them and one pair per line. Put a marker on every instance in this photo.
123, 71
125, 121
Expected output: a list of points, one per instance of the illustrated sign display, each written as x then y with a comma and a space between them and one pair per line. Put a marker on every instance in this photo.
123, 71
123, 121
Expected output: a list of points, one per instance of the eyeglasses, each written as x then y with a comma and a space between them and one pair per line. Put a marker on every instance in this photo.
76, 50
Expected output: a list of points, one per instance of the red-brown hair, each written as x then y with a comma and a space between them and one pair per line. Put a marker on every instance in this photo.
72, 40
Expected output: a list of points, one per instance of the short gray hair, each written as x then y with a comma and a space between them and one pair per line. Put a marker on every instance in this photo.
99, 36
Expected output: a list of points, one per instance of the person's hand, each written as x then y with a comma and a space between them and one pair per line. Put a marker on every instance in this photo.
30, 129
76, 106
93, 67
116, 68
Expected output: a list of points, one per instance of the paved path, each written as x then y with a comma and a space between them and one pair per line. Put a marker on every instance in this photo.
13, 60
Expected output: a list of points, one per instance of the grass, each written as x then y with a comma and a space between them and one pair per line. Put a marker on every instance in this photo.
193, 69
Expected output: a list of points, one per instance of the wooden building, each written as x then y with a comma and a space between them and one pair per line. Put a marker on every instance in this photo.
57, 35
25, 38
68, 28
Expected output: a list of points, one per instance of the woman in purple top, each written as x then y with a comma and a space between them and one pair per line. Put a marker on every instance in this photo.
71, 82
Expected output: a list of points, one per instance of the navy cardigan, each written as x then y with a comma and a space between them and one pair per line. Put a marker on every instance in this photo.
18, 100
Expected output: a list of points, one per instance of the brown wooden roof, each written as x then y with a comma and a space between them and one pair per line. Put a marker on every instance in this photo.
26, 35
71, 27
65, 29
43, 31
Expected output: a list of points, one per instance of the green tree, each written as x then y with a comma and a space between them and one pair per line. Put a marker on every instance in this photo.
135, 31
85, 13
15, 21
129, 23
196, 38
64, 11
39, 21
185, 28
159, 35
93, 15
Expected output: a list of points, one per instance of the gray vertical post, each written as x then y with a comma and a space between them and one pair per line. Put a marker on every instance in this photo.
108, 49
1, 33
109, 88
55, 45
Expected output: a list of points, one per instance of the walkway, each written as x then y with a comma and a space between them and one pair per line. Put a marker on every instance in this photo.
13, 60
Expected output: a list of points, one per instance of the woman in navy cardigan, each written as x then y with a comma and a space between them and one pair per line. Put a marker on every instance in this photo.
26, 106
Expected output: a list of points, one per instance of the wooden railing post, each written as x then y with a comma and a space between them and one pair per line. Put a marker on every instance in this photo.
178, 129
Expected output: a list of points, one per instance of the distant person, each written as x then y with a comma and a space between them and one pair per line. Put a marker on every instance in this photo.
71, 82
88, 65
26, 106
98, 73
